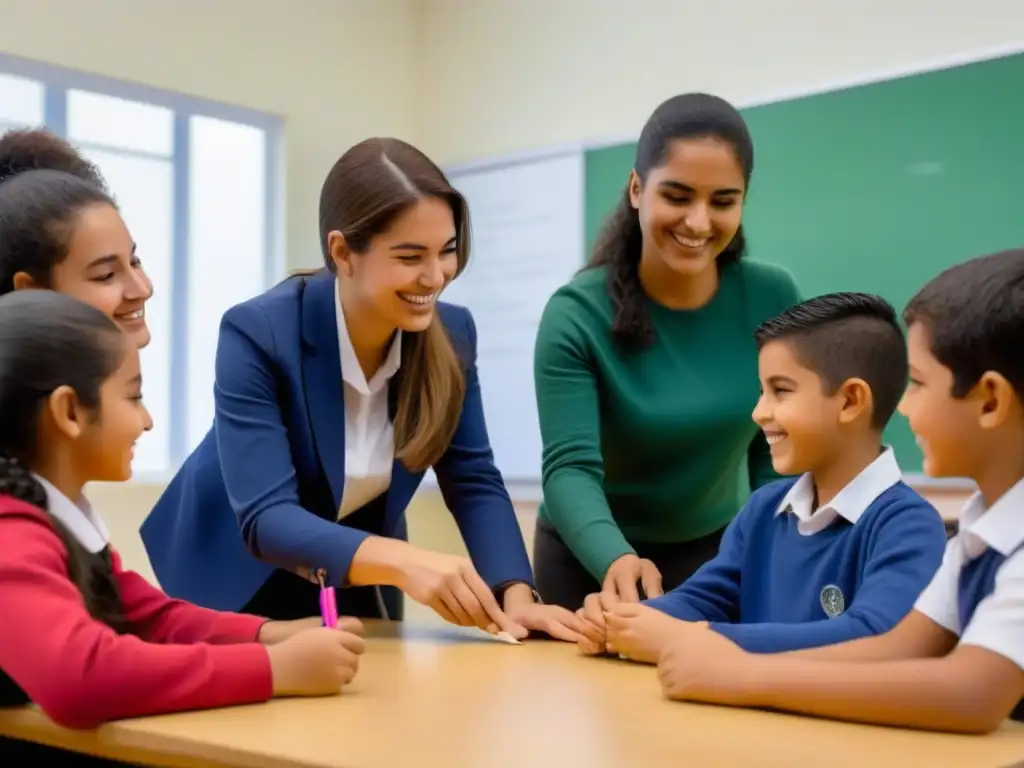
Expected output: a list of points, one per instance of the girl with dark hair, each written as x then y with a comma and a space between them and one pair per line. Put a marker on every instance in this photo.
85, 639
335, 391
94, 261
646, 369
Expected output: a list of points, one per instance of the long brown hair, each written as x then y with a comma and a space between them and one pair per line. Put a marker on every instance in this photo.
370, 186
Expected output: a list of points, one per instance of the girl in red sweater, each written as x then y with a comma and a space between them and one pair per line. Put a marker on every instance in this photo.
85, 639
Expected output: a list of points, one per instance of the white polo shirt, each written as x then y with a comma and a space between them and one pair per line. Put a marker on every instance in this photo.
369, 434
850, 503
998, 621
78, 518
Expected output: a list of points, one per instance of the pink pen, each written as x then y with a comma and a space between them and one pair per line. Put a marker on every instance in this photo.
328, 602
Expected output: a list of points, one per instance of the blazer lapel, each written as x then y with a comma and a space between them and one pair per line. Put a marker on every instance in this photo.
321, 373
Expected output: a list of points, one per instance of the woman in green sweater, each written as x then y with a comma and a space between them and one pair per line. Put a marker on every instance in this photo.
646, 369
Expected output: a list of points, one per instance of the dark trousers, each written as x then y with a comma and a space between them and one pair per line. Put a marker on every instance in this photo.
15, 753
286, 596
562, 580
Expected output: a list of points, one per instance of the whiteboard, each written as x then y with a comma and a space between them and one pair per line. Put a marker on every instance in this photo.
527, 241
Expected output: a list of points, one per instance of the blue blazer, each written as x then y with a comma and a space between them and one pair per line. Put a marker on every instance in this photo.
263, 488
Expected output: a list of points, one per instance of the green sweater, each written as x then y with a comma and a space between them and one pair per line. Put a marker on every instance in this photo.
656, 445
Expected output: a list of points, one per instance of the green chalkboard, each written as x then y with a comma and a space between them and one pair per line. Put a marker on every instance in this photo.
875, 188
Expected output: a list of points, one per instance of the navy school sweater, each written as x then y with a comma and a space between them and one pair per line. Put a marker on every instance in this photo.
771, 588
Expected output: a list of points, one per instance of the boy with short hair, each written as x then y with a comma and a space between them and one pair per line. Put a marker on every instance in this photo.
956, 662
840, 552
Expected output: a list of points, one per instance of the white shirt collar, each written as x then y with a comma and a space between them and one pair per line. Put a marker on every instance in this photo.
78, 517
999, 526
351, 370
851, 502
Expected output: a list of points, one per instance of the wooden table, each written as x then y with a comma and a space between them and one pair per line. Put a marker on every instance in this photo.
439, 697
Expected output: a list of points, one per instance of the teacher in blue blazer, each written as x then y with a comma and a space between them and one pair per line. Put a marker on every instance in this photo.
334, 393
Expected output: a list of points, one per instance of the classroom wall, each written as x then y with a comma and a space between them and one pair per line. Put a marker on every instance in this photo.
336, 70
501, 76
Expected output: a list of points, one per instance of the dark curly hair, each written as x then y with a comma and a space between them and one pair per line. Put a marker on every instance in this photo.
38, 148
44, 185
618, 246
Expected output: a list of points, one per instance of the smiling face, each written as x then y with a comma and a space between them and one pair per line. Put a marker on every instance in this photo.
122, 420
799, 420
395, 282
101, 268
947, 428
102, 438
690, 207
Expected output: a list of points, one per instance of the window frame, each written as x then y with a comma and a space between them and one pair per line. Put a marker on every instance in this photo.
57, 81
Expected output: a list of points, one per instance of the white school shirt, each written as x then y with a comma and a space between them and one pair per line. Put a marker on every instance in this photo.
998, 621
850, 503
369, 434
77, 517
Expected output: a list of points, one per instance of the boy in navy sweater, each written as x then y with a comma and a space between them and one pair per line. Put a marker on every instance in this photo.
956, 662
840, 552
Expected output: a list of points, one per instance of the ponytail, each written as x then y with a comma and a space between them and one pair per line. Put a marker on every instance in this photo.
92, 574
618, 247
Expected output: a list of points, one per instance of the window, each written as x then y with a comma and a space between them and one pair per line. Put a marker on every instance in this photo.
196, 183
21, 102
229, 249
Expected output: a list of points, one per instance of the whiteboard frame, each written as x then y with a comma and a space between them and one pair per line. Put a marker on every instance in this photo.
523, 491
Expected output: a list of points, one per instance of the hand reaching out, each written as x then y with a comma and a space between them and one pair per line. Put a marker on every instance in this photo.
451, 586
622, 576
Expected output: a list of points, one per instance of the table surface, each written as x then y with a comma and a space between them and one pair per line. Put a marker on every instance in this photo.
443, 697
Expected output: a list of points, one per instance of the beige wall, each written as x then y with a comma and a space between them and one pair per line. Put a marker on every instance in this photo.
509, 75
336, 70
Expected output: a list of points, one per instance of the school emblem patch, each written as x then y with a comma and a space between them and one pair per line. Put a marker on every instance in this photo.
832, 600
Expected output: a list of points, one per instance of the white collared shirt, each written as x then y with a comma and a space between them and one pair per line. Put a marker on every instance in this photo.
850, 503
78, 517
998, 621
369, 434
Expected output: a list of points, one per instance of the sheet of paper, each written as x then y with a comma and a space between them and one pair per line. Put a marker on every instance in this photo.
501, 637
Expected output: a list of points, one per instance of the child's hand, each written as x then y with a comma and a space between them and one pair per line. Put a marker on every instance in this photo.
273, 632
639, 632
699, 664
594, 635
315, 662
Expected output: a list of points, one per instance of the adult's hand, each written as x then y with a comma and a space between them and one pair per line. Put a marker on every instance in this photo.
452, 588
623, 575
553, 620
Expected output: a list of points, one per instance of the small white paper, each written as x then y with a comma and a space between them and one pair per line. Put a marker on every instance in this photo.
505, 637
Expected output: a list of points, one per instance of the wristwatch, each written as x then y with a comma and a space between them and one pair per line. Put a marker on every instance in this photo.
499, 591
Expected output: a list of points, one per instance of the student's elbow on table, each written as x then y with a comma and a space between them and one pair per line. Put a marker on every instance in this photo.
72, 704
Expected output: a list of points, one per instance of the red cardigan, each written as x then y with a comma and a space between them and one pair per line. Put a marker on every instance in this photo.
82, 673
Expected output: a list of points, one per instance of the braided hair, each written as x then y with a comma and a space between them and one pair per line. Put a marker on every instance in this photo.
49, 340
620, 242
